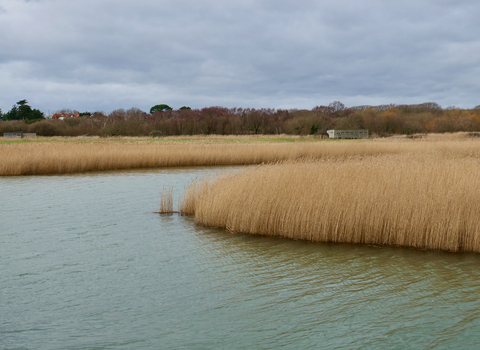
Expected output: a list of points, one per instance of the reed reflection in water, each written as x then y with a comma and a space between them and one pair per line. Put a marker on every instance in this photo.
342, 295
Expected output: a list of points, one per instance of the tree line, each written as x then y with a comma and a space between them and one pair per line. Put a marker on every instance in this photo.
164, 121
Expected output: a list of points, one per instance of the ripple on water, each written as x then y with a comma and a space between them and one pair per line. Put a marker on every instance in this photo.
85, 264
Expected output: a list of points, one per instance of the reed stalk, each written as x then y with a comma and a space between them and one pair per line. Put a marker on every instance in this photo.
166, 200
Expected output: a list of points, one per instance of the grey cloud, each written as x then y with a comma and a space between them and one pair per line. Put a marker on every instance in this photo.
238, 53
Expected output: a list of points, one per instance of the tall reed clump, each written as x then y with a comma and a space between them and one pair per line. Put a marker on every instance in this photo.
429, 201
166, 200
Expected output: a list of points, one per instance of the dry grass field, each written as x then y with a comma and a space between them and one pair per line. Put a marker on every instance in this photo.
423, 194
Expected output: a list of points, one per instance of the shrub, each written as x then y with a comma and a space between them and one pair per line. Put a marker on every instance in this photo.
44, 128
13, 126
155, 133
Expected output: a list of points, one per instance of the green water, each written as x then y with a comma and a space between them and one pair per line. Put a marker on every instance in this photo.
85, 264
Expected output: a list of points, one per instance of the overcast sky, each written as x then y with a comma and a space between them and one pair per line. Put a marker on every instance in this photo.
107, 54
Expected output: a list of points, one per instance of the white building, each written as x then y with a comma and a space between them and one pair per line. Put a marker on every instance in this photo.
348, 134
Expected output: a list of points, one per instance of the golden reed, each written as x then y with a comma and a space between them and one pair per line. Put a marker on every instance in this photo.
427, 198
73, 155
166, 200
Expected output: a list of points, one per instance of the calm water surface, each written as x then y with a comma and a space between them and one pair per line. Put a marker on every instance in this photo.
85, 264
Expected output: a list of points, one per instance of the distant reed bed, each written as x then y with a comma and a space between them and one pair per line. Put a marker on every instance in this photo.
73, 155
70, 157
428, 199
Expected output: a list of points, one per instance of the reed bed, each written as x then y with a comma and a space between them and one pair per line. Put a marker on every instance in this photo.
71, 157
427, 200
92, 154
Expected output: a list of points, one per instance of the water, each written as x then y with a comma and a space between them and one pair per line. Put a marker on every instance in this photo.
86, 264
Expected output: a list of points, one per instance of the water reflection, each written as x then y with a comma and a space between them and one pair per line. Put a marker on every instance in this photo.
389, 291
86, 264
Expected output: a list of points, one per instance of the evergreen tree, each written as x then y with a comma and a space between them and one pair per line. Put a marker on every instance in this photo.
11, 114
160, 108
22, 111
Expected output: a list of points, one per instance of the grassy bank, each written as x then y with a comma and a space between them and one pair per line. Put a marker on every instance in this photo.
166, 139
425, 195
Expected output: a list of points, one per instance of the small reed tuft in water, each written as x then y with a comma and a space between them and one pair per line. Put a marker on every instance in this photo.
166, 200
